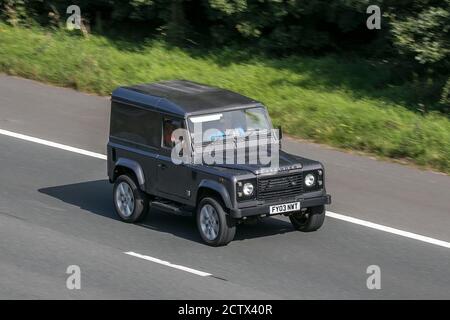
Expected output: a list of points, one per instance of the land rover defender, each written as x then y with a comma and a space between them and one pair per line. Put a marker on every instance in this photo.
219, 194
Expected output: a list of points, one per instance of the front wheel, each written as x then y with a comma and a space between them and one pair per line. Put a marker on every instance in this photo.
311, 220
215, 227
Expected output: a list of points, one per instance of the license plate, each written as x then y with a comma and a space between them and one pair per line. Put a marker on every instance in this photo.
286, 207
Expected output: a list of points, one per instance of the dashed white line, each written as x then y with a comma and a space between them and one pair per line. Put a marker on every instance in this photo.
330, 214
168, 264
52, 144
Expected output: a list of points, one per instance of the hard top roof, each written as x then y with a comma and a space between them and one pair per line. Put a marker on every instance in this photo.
181, 97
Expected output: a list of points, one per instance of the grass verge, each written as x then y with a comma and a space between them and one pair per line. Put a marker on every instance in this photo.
346, 103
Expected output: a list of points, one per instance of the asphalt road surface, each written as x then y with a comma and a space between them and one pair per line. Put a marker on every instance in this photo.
56, 211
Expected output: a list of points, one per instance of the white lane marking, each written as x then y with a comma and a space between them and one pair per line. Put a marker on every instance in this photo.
387, 229
168, 264
330, 214
52, 144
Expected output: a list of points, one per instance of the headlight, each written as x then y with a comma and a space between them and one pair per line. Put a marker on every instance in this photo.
248, 189
310, 180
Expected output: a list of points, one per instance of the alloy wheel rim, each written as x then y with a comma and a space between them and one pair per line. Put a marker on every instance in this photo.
125, 199
209, 222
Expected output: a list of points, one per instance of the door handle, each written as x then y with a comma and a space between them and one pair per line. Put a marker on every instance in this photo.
162, 165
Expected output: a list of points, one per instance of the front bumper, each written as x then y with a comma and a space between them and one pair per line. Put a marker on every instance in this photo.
264, 208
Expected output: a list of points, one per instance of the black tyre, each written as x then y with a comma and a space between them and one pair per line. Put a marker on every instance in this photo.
130, 203
309, 221
215, 227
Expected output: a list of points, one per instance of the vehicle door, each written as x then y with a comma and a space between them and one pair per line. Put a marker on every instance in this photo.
173, 180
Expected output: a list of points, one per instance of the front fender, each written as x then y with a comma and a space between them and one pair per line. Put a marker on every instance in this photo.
219, 188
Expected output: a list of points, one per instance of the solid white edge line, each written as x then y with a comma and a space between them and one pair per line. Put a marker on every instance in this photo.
52, 144
380, 227
330, 214
168, 264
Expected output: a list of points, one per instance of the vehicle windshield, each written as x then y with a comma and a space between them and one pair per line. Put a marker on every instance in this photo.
236, 123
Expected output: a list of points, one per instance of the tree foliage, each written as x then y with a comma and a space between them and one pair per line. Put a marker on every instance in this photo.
414, 31
425, 35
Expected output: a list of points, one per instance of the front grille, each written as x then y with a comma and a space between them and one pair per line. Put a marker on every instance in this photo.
280, 187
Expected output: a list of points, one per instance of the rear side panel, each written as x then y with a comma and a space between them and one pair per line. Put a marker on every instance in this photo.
120, 154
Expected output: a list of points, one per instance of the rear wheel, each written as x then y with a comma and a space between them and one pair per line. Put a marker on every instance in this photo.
215, 227
311, 220
130, 203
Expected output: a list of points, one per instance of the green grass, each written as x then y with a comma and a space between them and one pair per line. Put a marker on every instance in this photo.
347, 103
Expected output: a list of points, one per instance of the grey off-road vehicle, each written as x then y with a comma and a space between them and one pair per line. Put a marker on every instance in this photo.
220, 195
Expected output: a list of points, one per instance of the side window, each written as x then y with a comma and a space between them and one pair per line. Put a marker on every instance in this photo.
169, 126
136, 125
